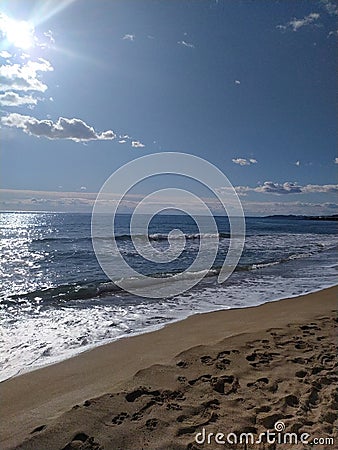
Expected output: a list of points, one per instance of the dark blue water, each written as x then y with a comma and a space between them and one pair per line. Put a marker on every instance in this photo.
56, 300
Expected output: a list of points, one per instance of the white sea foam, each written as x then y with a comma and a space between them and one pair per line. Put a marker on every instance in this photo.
45, 335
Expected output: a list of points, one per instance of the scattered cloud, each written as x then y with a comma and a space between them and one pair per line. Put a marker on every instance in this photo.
5, 54
336, 161
16, 77
324, 188
186, 44
17, 33
82, 200
297, 163
244, 162
237, 82
48, 34
268, 187
295, 24
83, 188
129, 37
13, 99
122, 141
288, 207
74, 129
330, 7
276, 188
137, 144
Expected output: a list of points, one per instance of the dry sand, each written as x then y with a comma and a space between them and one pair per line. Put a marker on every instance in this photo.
227, 371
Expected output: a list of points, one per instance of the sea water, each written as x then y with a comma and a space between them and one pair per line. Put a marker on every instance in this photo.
56, 300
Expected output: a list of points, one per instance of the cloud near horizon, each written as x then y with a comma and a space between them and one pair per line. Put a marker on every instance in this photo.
82, 201
74, 129
268, 187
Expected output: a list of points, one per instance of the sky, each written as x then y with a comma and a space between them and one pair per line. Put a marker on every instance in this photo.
87, 86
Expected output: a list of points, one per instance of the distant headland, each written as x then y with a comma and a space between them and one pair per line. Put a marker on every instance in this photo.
300, 217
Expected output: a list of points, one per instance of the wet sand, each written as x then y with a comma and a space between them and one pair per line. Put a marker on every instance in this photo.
229, 371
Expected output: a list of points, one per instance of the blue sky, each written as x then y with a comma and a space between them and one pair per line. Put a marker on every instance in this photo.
248, 85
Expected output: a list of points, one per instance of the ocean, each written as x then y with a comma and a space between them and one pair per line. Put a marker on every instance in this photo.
56, 301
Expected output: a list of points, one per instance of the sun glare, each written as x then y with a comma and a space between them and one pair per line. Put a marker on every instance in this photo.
19, 33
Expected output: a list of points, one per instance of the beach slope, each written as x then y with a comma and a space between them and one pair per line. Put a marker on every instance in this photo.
228, 371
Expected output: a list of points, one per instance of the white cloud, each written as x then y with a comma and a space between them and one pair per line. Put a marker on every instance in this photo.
74, 129
244, 162
288, 207
336, 161
297, 163
295, 24
237, 82
122, 141
17, 32
129, 37
83, 201
5, 54
137, 144
16, 77
13, 99
83, 188
50, 36
324, 188
330, 7
186, 44
269, 187
276, 188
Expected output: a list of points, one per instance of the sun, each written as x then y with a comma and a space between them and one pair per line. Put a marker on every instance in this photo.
19, 33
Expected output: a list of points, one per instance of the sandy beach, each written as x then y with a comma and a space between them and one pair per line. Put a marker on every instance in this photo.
231, 371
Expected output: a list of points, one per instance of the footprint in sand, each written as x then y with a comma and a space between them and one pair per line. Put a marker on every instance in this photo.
291, 400
226, 384
39, 428
301, 374
182, 364
259, 384
151, 424
120, 418
203, 378
191, 424
257, 359
84, 442
207, 360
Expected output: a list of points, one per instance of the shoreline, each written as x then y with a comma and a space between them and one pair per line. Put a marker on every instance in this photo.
151, 329
41, 395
